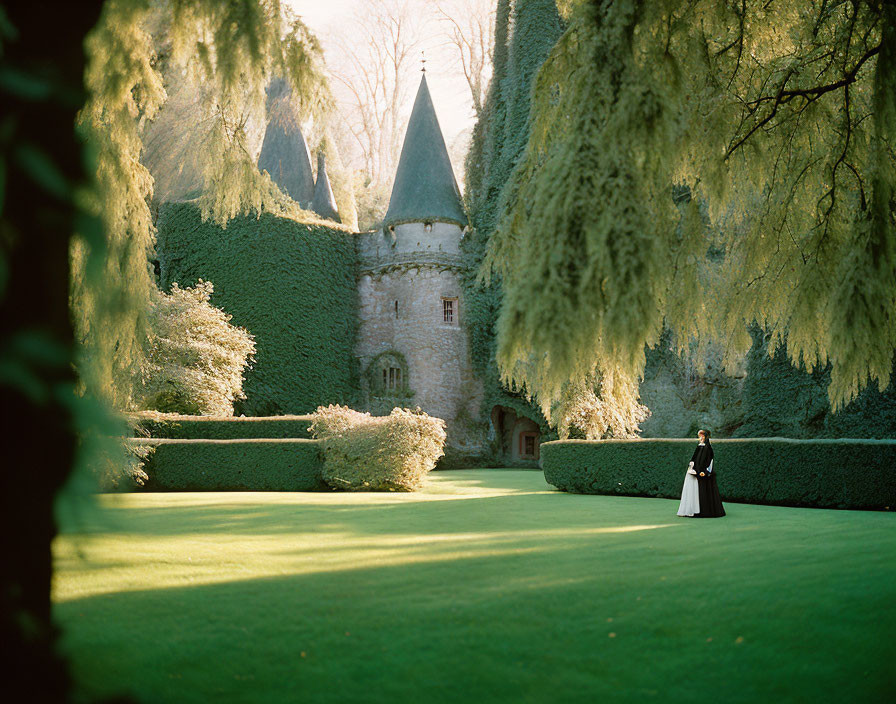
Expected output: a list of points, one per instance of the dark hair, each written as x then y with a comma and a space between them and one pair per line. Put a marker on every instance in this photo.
705, 434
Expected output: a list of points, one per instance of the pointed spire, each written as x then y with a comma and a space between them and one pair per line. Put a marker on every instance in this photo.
324, 204
284, 153
425, 188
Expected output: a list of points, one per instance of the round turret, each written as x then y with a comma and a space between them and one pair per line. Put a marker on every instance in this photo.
412, 343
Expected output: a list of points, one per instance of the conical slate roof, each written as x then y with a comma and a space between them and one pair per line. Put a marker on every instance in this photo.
324, 204
284, 155
425, 188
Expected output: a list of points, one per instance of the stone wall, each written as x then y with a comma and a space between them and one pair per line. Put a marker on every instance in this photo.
416, 269
410, 243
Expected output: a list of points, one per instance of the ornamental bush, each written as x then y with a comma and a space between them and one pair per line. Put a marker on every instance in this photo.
194, 357
377, 453
857, 474
780, 399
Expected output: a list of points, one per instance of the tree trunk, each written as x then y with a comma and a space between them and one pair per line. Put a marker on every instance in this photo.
43, 162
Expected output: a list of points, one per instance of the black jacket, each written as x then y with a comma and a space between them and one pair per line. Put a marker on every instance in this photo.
701, 458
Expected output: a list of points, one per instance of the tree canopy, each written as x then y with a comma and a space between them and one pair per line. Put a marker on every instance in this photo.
774, 123
232, 49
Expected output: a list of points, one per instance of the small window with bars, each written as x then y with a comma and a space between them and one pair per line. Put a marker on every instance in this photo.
392, 378
449, 311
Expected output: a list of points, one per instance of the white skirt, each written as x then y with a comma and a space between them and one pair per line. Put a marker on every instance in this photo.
690, 496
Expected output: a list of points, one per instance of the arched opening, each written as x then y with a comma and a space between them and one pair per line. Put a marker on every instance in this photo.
387, 375
517, 438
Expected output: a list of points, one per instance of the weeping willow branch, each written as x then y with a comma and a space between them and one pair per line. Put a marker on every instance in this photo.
232, 49
778, 119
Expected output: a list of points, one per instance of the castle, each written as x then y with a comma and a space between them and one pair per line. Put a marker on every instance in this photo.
373, 319
376, 320
412, 345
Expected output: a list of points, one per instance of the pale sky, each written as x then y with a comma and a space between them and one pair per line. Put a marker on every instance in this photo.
450, 94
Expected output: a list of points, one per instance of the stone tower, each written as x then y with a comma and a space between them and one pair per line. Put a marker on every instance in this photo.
412, 344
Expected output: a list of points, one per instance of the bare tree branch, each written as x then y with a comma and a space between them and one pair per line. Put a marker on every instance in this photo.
372, 64
470, 30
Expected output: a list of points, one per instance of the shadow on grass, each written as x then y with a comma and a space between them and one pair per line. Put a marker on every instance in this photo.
518, 596
615, 616
256, 516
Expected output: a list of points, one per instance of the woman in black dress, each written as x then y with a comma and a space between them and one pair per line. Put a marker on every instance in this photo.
701, 463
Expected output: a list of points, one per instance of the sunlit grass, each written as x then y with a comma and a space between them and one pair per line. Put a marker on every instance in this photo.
486, 586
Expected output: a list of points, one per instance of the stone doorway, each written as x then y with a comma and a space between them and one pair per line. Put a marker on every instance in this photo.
517, 438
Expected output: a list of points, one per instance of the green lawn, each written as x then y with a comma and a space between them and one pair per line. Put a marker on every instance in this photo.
485, 587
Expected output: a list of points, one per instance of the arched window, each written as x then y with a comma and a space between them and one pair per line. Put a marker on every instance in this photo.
388, 374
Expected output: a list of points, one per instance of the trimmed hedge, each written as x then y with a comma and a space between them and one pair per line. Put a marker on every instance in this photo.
291, 284
156, 425
857, 474
233, 465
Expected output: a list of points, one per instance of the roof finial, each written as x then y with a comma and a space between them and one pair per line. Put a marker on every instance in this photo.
423, 61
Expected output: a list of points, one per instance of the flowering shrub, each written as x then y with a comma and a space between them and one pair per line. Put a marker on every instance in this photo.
195, 357
377, 453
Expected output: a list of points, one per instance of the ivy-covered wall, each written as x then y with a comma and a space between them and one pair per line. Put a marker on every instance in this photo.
291, 284
684, 397
767, 397
781, 400
525, 33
